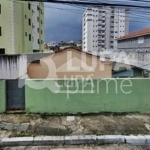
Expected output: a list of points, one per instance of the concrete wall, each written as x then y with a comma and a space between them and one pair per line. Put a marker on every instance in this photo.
2, 96
12, 66
46, 96
132, 44
36, 56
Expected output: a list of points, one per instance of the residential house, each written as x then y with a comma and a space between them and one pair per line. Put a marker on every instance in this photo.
137, 41
70, 63
120, 70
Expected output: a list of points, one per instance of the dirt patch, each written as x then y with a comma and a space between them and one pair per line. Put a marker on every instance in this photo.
93, 124
115, 125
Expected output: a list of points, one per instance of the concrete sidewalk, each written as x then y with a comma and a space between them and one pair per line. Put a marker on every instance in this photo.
109, 147
37, 125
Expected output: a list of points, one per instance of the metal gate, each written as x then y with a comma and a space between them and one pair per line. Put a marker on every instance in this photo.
15, 94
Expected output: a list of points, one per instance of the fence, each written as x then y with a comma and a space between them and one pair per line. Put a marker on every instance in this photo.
88, 96
82, 96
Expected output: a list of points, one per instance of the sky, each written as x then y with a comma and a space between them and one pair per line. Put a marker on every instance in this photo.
64, 22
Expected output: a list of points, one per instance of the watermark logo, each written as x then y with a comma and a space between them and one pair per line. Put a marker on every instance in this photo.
81, 69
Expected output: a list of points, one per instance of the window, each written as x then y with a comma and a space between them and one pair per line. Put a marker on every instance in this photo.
140, 40
29, 37
38, 19
29, 21
112, 16
89, 19
25, 33
41, 32
38, 41
38, 8
29, 6
38, 30
25, 16
41, 22
0, 31
0, 8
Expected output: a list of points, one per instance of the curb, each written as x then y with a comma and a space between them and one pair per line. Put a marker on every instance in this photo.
75, 140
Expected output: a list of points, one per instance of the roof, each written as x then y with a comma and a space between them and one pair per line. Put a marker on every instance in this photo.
136, 34
119, 67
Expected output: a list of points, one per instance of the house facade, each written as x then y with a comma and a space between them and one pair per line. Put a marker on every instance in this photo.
70, 63
137, 41
21, 27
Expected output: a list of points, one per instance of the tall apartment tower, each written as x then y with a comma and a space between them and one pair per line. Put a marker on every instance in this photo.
21, 27
102, 25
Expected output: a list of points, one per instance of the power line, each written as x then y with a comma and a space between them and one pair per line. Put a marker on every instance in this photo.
77, 12
96, 4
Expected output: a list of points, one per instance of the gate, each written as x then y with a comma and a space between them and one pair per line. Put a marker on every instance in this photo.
15, 94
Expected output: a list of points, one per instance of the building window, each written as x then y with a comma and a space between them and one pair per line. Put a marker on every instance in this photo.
38, 8
0, 8
25, 33
41, 22
140, 40
38, 19
89, 19
29, 6
0, 31
25, 16
38, 41
38, 30
29, 22
29, 37
41, 32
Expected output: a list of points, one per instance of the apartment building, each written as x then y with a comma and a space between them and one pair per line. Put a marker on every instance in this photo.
102, 26
21, 27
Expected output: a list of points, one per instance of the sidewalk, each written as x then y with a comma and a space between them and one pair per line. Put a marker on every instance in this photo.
36, 125
110, 147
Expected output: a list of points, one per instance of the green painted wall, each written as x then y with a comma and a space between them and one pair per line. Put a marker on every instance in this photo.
2, 96
39, 99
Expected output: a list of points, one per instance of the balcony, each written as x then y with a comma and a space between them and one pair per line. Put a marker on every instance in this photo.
99, 34
103, 23
101, 38
101, 44
102, 19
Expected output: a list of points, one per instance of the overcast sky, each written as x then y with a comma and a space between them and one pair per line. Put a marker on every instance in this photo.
61, 25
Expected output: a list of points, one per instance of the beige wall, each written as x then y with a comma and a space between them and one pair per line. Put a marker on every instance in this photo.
70, 63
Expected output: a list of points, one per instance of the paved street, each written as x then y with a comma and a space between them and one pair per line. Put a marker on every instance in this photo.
110, 147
